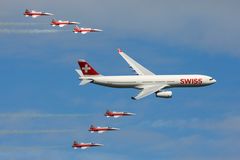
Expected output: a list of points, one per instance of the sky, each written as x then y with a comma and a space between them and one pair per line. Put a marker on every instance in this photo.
43, 108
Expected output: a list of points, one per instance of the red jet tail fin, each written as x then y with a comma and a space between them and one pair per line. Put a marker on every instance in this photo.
75, 142
87, 69
76, 27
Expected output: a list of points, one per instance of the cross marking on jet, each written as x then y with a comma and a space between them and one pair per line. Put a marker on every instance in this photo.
86, 68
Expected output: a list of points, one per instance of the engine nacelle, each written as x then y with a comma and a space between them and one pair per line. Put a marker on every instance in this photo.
164, 94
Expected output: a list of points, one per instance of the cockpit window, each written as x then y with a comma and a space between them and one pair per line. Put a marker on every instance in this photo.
211, 79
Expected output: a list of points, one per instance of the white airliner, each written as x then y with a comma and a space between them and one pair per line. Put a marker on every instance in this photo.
146, 81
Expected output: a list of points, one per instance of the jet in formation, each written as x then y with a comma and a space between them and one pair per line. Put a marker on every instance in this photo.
35, 14
77, 145
145, 81
115, 114
94, 129
61, 23
77, 29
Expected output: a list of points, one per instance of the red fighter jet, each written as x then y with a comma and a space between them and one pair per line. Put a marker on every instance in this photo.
94, 129
35, 14
117, 114
61, 23
77, 145
85, 30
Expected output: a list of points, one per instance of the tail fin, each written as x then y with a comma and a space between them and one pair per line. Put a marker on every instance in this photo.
76, 27
87, 69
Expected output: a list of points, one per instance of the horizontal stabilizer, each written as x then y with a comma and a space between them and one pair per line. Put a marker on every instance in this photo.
83, 82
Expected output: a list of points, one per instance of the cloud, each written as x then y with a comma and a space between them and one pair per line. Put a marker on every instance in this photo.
228, 124
202, 25
175, 144
99, 155
25, 122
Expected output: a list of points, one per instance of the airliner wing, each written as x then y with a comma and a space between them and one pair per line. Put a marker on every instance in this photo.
138, 68
146, 91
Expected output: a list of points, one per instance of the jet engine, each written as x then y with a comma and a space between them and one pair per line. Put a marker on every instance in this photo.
164, 94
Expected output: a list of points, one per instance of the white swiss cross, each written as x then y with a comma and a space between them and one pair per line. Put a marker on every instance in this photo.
86, 68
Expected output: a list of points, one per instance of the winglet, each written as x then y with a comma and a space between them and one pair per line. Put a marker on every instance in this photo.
119, 50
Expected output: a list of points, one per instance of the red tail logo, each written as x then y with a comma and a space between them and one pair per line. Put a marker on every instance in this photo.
86, 68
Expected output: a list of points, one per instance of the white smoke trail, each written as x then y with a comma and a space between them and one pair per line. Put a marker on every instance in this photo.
30, 148
18, 132
28, 31
39, 115
17, 24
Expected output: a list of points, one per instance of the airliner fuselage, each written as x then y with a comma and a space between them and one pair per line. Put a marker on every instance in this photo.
138, 81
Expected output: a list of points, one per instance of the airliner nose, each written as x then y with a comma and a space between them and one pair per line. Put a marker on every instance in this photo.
214, 81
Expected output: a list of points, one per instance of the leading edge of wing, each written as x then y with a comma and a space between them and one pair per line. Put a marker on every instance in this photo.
138, 68
147, 90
